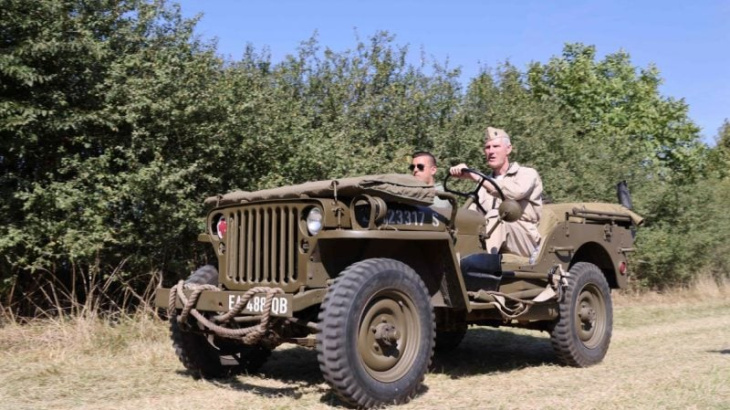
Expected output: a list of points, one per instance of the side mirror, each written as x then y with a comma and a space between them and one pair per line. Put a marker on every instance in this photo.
510, 210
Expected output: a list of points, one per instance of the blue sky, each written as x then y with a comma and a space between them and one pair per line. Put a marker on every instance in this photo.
689, 42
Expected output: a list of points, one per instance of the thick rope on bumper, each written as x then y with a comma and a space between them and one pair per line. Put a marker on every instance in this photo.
250, 335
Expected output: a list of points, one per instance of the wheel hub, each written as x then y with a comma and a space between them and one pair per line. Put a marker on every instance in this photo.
386, 335
590, 317
587, 315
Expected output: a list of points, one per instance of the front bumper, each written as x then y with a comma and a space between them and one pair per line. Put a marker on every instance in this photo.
222, 301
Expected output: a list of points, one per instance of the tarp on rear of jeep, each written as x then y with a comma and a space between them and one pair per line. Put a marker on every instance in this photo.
552, 214
390, 187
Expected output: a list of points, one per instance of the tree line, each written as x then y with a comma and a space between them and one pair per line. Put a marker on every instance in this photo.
116, 121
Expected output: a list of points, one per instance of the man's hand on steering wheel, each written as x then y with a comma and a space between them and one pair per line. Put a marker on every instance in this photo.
462, 172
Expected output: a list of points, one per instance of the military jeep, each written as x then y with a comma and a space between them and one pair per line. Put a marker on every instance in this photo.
375, 278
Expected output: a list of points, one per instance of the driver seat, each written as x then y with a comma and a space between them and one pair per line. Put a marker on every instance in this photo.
514, 259
550, 217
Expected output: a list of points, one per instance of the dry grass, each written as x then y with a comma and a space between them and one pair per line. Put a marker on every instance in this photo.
704, 287
669, 351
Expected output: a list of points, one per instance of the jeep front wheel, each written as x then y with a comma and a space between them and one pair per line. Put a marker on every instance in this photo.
376, 334
207, 356
582, 333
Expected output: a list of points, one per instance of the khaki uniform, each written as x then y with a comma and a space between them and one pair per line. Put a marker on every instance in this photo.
521, 237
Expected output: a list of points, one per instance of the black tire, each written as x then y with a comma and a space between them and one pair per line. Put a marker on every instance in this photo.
582, 333
377, 333
209, 356
449, 340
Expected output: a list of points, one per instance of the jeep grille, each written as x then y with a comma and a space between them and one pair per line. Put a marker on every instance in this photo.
262, 244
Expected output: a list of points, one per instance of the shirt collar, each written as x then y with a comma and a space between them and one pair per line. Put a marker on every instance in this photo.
513, 168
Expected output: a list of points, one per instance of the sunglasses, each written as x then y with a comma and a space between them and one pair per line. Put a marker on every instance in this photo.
420, 167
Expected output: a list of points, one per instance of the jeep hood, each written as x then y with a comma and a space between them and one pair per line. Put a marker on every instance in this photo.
390, 187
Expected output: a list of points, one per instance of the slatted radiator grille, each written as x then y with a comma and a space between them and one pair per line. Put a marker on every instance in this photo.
262, 244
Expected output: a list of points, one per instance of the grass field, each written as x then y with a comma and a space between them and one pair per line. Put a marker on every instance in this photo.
668, 351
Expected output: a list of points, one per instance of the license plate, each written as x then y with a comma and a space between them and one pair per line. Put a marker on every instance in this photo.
281, 305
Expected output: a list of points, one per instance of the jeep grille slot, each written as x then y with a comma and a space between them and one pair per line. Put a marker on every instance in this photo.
262, 243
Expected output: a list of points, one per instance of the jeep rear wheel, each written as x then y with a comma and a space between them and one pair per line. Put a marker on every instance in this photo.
208, 356
582, 333
377, 333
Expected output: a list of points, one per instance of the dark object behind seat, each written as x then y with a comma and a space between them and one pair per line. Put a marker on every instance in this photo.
482, 271
624, 196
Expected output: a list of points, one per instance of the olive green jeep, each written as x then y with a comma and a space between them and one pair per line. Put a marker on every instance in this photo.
366, 271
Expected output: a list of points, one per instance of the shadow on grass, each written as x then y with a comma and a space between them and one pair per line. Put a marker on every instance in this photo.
295, 367
486, 351
482, 351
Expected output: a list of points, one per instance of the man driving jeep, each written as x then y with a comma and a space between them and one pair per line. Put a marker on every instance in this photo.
517, 182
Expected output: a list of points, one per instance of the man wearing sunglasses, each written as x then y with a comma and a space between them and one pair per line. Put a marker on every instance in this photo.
423, 167
520, 183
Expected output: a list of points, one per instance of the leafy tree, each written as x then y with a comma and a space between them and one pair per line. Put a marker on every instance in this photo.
99, 158
626, 129
327, 114
723, 136
719, 155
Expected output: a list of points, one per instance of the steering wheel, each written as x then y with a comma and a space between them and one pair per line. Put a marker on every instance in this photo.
474, 195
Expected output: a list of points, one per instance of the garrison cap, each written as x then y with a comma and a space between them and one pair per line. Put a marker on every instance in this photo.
494, 133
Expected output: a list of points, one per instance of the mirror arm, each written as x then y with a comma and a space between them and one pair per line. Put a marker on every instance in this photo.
496, 224
454, 206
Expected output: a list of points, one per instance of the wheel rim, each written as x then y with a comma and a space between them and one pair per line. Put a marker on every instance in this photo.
389, 335
590, 316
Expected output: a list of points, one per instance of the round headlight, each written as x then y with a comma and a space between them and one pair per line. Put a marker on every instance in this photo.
314, 221
221, 226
